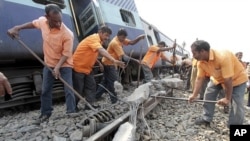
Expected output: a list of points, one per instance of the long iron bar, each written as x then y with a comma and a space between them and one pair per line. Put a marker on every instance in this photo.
60, 78
184, 99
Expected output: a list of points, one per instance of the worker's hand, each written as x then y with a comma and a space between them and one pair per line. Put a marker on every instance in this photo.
13, 32
4, 85
119, 63
56, 72
191, 98
223, 102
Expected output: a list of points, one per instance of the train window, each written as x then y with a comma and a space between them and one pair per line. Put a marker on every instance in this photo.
157, 36
87, 19
150, 40
127, 17
60, 3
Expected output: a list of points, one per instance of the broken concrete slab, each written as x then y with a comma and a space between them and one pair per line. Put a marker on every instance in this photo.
140, 94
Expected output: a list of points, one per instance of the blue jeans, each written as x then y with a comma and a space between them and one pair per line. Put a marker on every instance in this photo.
46, 97
110, 75
203, 88
85, 85
237, 112
148, 75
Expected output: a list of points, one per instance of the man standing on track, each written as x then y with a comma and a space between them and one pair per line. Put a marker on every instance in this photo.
110, 72
153, 54
84, 59
57, 48
226, 72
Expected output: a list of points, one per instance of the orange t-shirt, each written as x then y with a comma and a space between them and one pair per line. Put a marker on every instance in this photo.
86, 54
221, 65
56, 42
115, 50
152, 56
194, 64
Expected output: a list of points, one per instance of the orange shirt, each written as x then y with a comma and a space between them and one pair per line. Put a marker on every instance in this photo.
243, 64
115, 50
86, 54
221, 65
152, 56
56, 42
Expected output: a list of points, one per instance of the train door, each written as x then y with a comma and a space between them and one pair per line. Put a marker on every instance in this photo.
87, 17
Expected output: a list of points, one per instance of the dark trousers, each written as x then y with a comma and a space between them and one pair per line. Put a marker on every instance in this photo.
46, 96
148, 75
110, 75
85, 85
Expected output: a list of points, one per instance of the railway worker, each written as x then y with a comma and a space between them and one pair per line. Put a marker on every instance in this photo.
110, 74
225, 71
57, 48
204, 85
84, 59
239, 55
4, 85
153, 54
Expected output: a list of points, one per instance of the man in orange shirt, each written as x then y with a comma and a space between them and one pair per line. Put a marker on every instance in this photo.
57, 48
84, 59
110, 74
225, 71
4, 85
153, 54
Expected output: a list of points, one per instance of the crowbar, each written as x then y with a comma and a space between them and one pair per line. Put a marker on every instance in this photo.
60, 78
184, 99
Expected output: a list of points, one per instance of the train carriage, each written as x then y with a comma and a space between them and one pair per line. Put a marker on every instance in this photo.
83, 17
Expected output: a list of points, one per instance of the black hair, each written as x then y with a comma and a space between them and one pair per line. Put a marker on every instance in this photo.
55, 9
201, 45
122, 32
162, 43
105, 29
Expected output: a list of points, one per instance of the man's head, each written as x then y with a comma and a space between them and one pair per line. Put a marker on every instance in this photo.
161, 44
122, 35
239, 55
54, 15
104, 33
200, 50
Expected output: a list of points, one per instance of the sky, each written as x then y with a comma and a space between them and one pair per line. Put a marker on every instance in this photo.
224, 24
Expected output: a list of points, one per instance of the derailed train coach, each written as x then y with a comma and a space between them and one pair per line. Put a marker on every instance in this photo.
154, 35
83, 17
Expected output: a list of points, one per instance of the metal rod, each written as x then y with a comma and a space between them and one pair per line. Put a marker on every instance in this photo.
110, 128
139, 68
184, 99
60, 78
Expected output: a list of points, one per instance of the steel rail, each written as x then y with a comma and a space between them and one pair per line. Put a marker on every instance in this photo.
184, 99
148, 105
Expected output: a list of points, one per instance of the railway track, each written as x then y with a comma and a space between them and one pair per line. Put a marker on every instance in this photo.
108, 131
101, 125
